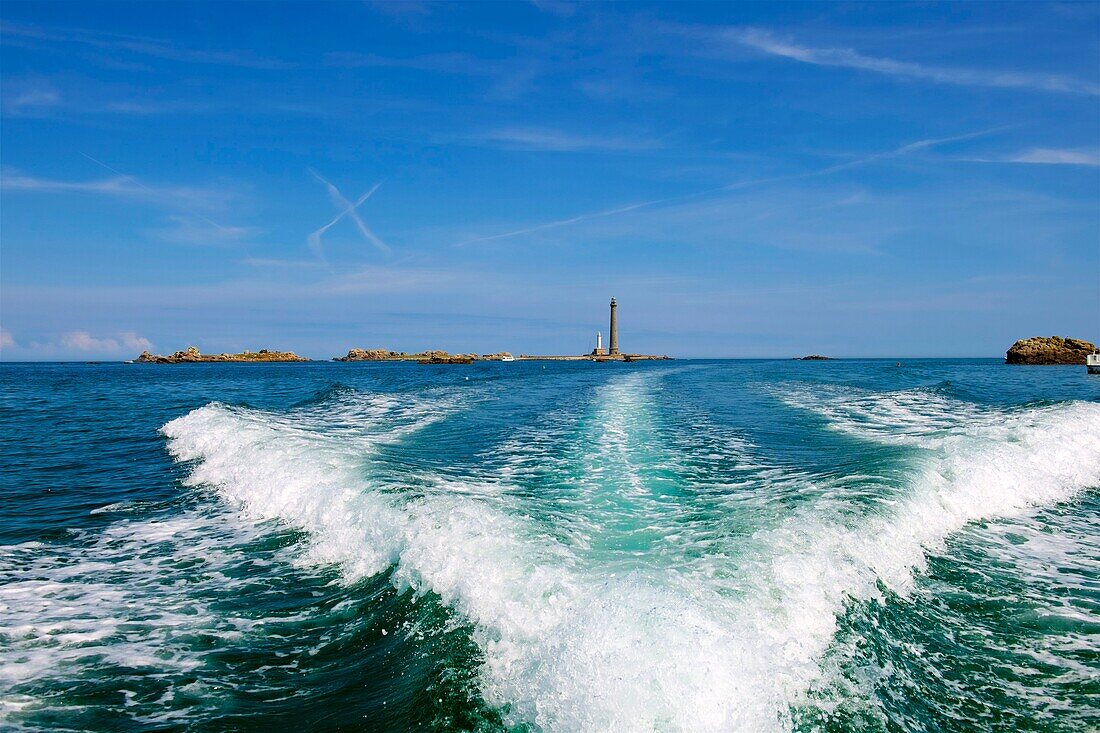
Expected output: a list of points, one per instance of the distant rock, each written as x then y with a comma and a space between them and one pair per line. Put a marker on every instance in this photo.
434, 356
373, 355
192, 355
445, 358
440, 357
814, 357
1053, 350
497, 356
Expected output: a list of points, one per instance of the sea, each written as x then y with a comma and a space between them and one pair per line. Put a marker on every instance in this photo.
741, 545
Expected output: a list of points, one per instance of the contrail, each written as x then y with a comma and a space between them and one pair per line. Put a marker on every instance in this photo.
314, 239
348, 209
893, 153
157, 195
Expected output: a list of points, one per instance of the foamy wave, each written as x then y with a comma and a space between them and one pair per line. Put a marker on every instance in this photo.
570, 644
565, 646
1000, 468
129, 598
909, 417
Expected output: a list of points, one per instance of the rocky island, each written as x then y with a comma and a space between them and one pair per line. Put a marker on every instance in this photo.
434, 356
1052, 350
193, 355
455, 359
814, 357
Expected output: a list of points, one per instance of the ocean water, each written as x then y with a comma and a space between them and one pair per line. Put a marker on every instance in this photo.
686, 545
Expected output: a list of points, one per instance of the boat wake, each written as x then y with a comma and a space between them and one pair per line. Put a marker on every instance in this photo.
691, 639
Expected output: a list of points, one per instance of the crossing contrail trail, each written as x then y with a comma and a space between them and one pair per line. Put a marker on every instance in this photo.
349, 210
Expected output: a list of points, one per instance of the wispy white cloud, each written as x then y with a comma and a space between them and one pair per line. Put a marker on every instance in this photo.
347, 209
142, 46
12, 180
193, 205
120, 186
899, 151
1047, 156
767, 43
85, 342
31, 101
262, 292
530, 138
188, 206
192, 231
7, 340
57, 96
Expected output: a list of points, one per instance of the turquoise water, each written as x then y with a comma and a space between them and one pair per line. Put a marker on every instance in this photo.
689, 545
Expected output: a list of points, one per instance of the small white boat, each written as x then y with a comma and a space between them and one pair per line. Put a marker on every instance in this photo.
507, 358
1093, 361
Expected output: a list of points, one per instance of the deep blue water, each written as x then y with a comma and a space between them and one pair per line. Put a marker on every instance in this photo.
687, 545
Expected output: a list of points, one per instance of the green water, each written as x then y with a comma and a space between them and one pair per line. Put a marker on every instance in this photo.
690, 545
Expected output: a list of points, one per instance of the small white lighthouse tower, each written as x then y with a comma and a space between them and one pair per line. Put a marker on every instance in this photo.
599, 350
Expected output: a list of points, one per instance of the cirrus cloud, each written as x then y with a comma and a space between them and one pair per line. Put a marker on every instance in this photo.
769, 44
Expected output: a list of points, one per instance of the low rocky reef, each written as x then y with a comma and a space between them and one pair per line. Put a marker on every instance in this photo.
814, 357
1052, 350
192, 355
449, 359
375, 355
434, 356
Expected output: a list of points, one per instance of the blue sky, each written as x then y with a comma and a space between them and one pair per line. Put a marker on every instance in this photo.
747, 180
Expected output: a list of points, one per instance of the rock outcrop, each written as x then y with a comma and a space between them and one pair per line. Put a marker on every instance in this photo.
445, 358
635, 357
434, 356
496, 357
814, 357
1053, 350
374, 355
192, 355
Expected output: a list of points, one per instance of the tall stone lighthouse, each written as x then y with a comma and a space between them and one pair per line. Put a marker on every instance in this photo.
613, 342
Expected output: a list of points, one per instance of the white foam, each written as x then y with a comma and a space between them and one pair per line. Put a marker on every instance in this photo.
559, 638
903, 417
1001, 467
128, 599
571, 644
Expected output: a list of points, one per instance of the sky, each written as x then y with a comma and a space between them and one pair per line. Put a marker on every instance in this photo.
747, 180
